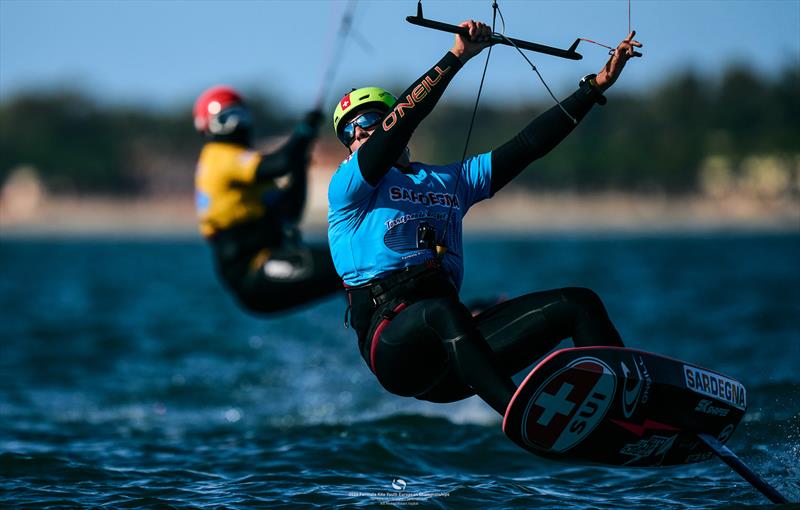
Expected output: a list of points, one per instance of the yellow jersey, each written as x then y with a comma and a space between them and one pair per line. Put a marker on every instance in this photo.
226, 191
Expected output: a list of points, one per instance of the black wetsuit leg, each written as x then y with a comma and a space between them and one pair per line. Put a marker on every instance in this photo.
430, 339
283, 278
264, 263
524, 329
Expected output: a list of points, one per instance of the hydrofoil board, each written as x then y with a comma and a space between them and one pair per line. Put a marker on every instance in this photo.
623, 407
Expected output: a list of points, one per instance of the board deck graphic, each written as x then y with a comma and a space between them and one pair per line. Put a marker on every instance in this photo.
623, 407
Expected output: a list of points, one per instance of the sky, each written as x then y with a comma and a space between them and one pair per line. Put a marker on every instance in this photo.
161, 54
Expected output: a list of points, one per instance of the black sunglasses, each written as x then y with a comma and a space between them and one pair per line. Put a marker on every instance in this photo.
367, 120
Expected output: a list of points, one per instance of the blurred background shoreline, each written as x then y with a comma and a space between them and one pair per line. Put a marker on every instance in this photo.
98, 138
694, 153
512, 212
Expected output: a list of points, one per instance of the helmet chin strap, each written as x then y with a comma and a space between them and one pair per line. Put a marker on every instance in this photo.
405, 155
242, 136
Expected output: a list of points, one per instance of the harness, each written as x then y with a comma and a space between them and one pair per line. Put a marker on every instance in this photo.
372, 306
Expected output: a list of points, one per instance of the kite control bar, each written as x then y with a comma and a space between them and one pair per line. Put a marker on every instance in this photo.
569, 53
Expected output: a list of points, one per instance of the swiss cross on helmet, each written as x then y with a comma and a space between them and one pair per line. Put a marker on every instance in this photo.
220, 110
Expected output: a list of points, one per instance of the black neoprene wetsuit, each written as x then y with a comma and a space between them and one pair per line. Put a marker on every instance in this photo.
416, 335
262, 260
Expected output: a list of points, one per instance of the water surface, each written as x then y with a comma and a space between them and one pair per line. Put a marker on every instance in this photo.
129, 378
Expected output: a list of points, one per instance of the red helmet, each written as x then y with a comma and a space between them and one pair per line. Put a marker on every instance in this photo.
220, 110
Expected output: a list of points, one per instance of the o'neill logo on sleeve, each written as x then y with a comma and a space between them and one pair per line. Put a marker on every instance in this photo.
715, 386
418, 93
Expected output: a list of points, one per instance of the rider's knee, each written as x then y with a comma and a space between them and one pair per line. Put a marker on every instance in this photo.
583, 298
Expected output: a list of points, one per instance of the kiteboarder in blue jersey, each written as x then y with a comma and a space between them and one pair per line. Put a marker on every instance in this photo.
395, 237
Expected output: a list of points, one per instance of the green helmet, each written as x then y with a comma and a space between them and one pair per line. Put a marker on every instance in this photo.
357, 100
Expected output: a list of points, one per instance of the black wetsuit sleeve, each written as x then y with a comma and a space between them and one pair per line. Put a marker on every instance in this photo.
293, 155
537, 139
388, 141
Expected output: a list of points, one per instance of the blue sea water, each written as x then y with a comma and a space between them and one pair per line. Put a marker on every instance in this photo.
129, 378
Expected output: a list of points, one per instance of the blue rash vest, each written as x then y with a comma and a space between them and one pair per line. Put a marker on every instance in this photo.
373, 230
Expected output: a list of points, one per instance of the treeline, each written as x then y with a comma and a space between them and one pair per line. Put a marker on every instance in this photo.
656, 140
77, 145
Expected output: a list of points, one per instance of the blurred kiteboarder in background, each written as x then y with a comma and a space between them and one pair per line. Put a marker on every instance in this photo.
249, 204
